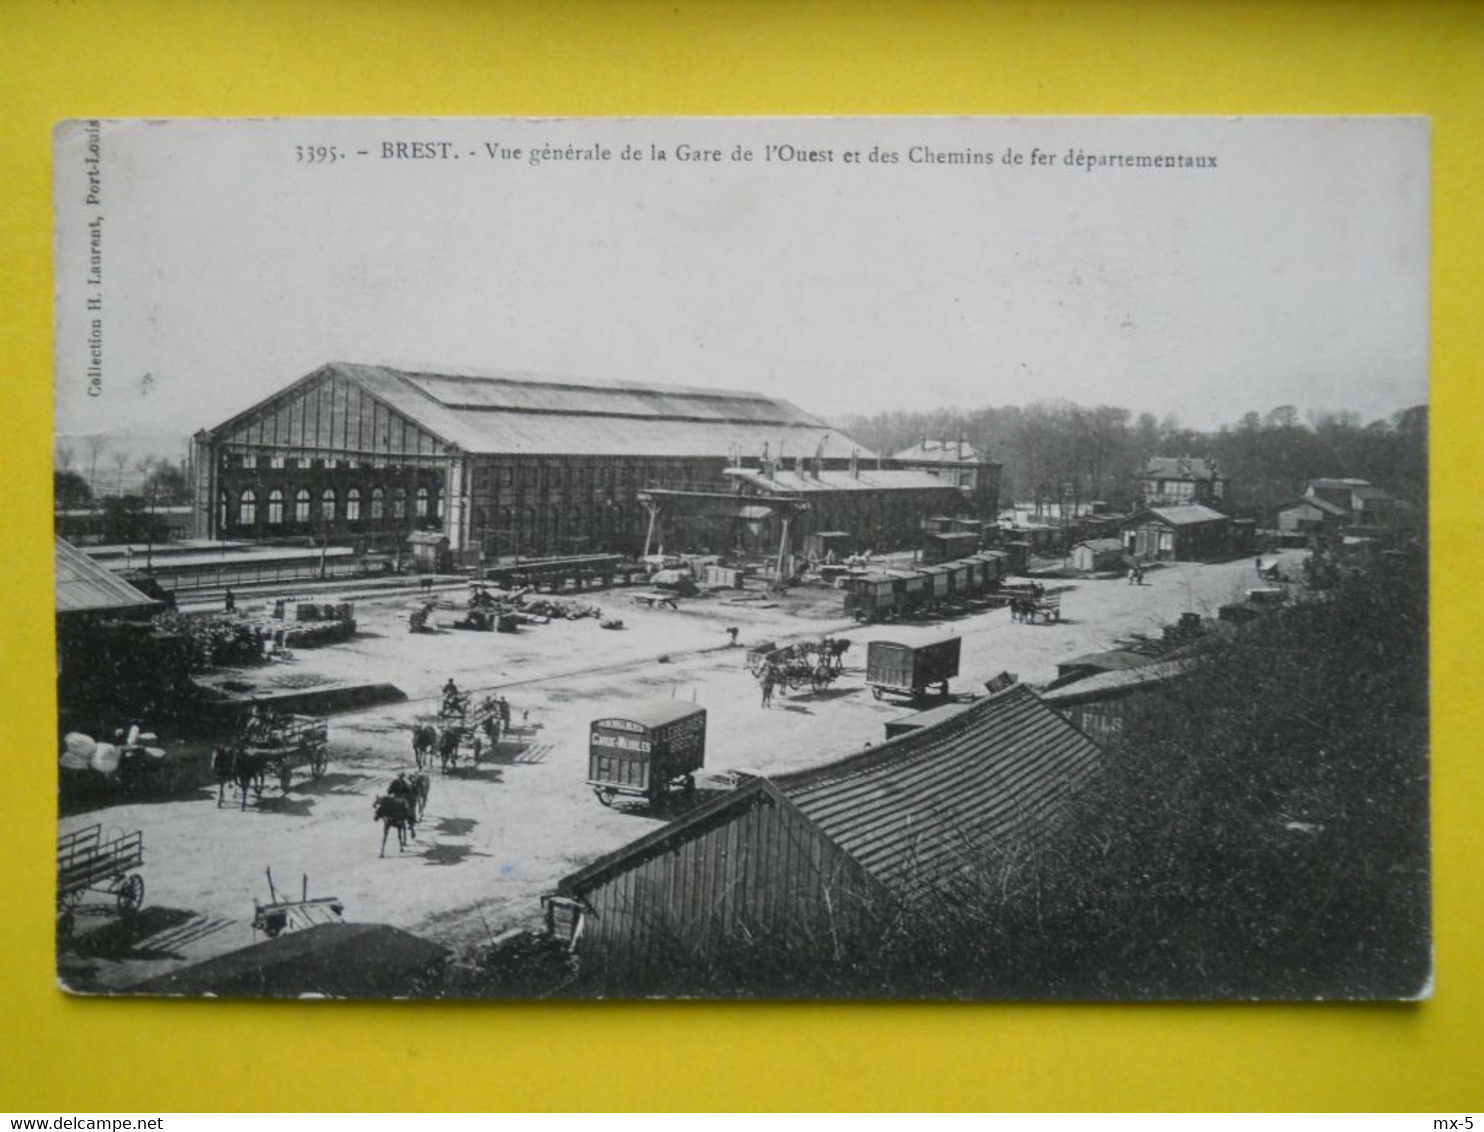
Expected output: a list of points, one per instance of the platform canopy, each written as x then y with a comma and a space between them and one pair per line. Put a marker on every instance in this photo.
85, 587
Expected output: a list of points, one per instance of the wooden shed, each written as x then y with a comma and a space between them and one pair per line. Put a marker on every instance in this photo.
1180, 533
817, 854
430, 554
1098, 555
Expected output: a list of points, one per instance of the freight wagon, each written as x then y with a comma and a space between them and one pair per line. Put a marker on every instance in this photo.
901, 669
650, 751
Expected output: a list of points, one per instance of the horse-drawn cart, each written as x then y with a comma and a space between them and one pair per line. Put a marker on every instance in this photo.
901, 669
815, 663
460, 723
87, 863
291, 742
273, 745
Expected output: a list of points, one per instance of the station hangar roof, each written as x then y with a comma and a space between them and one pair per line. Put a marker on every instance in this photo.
808, 483
912, 810
940, 452
83, 586
515, 412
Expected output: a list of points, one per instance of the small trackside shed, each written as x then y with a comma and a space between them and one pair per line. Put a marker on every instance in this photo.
1181, 533
1093, 556
817, 855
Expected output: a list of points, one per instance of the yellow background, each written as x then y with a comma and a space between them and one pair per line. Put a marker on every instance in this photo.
87, 59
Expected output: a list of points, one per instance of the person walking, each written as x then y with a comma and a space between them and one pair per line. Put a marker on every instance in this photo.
768, 686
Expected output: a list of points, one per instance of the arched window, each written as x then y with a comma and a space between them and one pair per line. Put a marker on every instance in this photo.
399, 503
422, 503
301, 505
221, 509
275, 507
327, 505
247, 508
378, 502
353, 505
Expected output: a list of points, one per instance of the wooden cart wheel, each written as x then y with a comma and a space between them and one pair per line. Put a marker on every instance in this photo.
131, 895
876, 692
604, 796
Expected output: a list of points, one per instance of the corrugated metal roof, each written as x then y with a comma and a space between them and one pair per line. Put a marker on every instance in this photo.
875, 479
1188, 514
522, 414
938, 452
910, 809
85, 587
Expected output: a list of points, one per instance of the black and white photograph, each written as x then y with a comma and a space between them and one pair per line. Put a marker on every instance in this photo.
778, 558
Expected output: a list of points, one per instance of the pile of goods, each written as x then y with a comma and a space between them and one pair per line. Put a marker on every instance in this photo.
82, 752
559, 609
209, 642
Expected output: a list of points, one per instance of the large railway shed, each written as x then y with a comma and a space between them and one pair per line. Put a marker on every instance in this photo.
511, 463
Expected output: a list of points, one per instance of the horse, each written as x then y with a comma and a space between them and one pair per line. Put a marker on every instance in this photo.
424, 743
422, 785
834, 650
448, 748
236, 765
395, 813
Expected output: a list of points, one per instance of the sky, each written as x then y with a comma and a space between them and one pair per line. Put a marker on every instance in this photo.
234, 257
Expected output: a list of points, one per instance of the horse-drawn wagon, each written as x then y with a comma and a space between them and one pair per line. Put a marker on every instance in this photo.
273, 745
86, 862
460, 723
815, 663
648, 752
910, 670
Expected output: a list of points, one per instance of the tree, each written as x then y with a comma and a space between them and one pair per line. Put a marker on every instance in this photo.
70, 490
165, 485
120, 461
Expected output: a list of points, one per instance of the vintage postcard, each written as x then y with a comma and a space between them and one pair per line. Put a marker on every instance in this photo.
855, 558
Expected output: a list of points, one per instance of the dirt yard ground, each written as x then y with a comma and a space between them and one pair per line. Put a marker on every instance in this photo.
497, 836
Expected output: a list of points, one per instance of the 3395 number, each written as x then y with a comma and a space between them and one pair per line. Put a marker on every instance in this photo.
317, 154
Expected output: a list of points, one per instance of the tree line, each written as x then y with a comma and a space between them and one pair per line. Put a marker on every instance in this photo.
1061, 452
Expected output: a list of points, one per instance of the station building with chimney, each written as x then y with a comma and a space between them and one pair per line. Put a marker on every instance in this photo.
505, 463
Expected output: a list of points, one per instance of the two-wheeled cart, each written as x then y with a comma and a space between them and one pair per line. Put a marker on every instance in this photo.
87, 862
